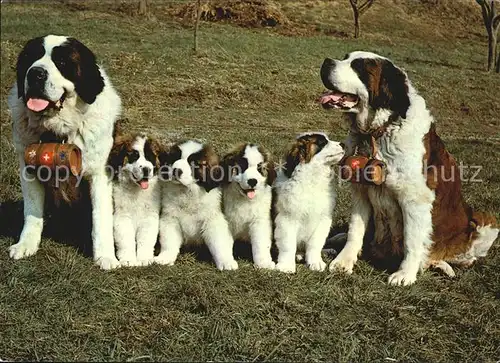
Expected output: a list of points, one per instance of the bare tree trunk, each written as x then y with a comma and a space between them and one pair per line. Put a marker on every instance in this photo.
356, 24
359, 9
491, 51
492, 23
497, 68
143, 7
196, 25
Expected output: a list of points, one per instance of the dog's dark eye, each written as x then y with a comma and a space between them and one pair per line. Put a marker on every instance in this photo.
133, 156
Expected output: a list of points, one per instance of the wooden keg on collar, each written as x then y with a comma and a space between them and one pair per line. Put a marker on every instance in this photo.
362, 169
53, 156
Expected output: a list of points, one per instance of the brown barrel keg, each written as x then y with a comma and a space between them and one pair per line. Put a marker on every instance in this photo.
53, 155
360, 169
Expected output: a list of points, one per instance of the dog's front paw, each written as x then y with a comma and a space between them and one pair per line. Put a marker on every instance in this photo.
145, 261
343, 262
227, 265
22, 249
165, 258
265, 264
107, 263
128, 262
287, 267
318, 265
402, 277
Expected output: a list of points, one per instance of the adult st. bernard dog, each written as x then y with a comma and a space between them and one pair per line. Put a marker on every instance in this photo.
419, 212
62, 90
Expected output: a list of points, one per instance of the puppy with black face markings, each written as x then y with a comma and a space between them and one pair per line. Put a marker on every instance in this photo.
305, 200
247, 197
136, 198
191, 204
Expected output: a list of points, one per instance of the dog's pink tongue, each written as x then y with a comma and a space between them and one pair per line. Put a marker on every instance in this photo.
144, 184
37, 104
251, 194
330, 97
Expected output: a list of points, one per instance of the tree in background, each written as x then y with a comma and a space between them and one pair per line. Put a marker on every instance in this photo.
492, 23
359, 7
196, 25
143, 7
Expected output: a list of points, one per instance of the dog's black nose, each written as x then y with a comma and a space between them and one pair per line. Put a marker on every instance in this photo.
252, 182
145, 172
37, 76
342, 145
176, 173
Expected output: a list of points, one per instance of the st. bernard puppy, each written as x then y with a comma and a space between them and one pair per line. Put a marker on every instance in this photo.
247, 199
419, 213
136, 198
305, 200
61, 89
191, 204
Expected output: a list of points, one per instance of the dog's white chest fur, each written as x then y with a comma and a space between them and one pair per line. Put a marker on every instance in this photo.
242, 212
304, 206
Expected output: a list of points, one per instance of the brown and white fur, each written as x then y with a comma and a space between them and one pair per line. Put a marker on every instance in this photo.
191, 204
419, 212
61, 89
305, 200
247, 198
136, 198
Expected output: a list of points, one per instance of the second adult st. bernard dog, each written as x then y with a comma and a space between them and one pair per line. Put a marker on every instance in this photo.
247, 199
419, 213
62, 90
305, 200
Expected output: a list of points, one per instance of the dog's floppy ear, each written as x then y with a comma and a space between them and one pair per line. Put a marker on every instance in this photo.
208, 173
393, 85
386, 84
152, 150
88, 79
271, 172
118, 154
230, 163
299, 153
267, 169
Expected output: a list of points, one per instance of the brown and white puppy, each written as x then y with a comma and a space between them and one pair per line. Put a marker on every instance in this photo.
419, 213
191, 204
136, 198
247, 198
61, 89
305, 200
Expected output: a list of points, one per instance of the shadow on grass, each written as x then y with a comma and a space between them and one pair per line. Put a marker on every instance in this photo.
67, 224
71, 225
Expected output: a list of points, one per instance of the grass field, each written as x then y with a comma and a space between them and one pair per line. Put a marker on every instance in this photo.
258, 85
